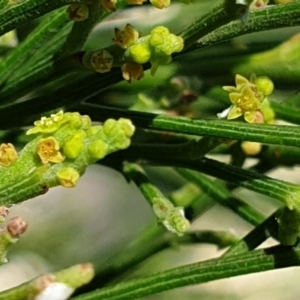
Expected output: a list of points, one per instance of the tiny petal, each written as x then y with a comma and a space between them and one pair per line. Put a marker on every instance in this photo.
250, 116
241, 81
8, 154
230, 89
234, 113
235, 97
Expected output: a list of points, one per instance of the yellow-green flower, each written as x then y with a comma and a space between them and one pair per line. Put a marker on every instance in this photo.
68, 177
132, 70
127, 37
8, 154
247, 98
48, 150
50, 124
244, 103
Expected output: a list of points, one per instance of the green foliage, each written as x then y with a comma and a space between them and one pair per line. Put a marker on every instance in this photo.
65, 79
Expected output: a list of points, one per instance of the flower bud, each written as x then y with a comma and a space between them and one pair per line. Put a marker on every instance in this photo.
68, 177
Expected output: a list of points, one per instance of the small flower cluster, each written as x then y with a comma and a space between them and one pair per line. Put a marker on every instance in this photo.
171, 217
247, 98
11, 233
156, 48
69, 142
55, 121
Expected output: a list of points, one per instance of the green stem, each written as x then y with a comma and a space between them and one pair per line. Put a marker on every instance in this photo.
286, 192
268, 134
222, 195
276, 16
253, 262
191, 149
221, 239
255, 237
26, 11
81, 30
220, 15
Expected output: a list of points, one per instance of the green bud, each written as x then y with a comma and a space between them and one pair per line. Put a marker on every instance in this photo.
158, 35
110, 127
121, 141
73, 147
171, 44
68, 177
93, 130
126, 126
161, 208
98, 149
74, 119
86, 122
176, 222
264, 85
140, 52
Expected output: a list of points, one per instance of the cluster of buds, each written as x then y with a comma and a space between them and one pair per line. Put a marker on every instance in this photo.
156, 48
10, 233
247, 98
170, 216
68, 142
